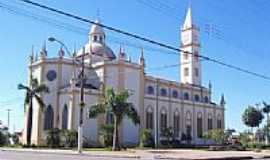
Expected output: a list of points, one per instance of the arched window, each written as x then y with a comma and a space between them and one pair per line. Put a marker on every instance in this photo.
186, 96
149, 118
48, 121
163, 92
206, 100
219, 122
197, 98
163, 120
65, 117
210, 122
174, 94
199, 125
188, 125
150, 90
101, 39
176, 123
95, 38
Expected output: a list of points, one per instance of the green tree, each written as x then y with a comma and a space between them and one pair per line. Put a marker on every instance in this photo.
106, 135
266, 110
33, 91
252, 117
116, 103
218, 135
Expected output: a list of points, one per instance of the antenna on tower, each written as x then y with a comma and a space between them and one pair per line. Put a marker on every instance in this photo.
189, 3
98, 15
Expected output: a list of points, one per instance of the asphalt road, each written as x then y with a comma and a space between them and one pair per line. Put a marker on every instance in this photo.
17, 155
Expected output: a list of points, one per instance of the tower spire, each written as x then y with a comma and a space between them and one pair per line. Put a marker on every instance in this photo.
142, 60
32, 55
190, 45
188, 20
222, 101
43, 52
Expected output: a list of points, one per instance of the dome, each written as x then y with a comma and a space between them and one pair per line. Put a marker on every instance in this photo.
99, 50
96, 29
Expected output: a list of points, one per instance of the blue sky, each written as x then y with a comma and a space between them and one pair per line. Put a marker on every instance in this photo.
239, 36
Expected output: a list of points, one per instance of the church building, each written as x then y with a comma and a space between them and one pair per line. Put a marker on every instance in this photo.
184, 105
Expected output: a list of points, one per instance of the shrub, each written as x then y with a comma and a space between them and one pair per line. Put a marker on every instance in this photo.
183, 137
189, 138
3, 139
168, 134
106, 135
69, 138
146, 138
255, 145
53, 138
15, 138
218, 135
245, 138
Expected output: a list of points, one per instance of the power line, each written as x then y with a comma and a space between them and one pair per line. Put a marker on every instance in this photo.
73, 16
75, 29
41, 19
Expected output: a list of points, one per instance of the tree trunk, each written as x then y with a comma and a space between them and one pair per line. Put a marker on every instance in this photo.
116, 144
29, 123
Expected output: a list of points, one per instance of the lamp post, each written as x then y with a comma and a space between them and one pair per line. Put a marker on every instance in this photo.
82, 81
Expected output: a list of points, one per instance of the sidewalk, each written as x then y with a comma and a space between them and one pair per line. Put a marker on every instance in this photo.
179, 154
115, 154
188, 154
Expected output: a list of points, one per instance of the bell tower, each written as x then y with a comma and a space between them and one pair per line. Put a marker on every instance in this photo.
190, 46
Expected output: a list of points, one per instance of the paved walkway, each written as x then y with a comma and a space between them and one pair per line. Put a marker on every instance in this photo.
203, 155
179, 154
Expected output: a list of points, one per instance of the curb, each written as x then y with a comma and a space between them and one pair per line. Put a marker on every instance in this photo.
216, 158
87, 154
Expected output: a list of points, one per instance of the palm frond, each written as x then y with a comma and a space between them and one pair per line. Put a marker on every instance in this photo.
40, 101
97, 109
27, 100
23, 87
34, 83
266, 108
41, 89
132, 113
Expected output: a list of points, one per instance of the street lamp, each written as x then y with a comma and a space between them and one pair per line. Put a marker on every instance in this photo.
82, 80
52, 39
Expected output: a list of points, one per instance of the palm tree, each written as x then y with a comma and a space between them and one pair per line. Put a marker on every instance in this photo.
266, 110
32, 92
117, 105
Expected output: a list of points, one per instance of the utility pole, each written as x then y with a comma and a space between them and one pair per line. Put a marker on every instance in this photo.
82, 104
8, 118
156, 115
81, 79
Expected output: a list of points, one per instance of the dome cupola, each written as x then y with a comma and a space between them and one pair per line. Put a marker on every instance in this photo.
97, 34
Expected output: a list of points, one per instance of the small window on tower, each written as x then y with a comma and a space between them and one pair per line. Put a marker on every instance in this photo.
95, 38
100, 39
196, 56
186, 72
186, 56
196, 72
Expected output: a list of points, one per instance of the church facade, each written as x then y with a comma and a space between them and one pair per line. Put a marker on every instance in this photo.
186, 106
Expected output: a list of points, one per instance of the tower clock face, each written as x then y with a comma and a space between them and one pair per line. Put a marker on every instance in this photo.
51, 75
